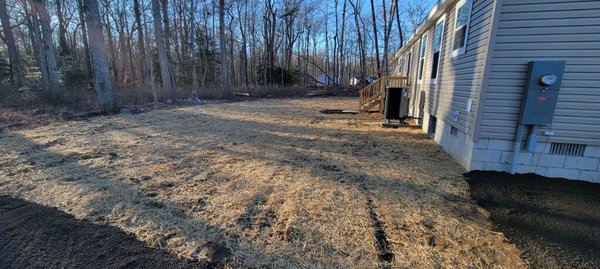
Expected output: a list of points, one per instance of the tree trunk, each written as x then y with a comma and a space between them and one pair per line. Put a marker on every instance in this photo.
361, 45
62, 30
387, 29
102, 81
111, 46
342, 48
165, 69
48, 46
167, 37
150, 63
36, 43
399, 24
377, 59
16, 67
244, 56
231, 61
194, 54
144, 69
326, 40
222, 42
84, 37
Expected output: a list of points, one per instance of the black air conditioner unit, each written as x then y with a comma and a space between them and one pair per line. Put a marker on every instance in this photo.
396, 106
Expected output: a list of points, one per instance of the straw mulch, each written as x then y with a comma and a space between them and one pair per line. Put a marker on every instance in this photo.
273, 182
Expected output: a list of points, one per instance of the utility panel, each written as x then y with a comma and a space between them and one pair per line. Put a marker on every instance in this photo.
541, 92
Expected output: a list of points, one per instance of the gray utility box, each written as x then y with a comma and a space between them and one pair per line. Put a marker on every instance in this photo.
541, 92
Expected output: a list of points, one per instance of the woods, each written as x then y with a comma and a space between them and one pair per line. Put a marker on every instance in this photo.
157, 50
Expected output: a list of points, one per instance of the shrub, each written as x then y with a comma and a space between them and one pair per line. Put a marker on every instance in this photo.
4, 69
277, 75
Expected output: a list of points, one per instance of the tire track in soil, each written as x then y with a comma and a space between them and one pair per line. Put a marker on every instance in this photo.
385, 255
253, 211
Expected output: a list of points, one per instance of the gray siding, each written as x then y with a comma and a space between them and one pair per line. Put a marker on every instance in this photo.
531, 30
460, 78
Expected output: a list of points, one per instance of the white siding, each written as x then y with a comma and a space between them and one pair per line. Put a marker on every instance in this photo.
460, 78
531, 30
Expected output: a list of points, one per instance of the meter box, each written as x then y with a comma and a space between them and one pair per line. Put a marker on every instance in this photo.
541, 92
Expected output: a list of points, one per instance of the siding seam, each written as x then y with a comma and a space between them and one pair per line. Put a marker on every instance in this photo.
487, 70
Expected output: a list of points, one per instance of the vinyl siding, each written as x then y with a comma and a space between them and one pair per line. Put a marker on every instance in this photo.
413, 109
531, 30
459, 78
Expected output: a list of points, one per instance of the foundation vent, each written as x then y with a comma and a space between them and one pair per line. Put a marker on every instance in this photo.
567, 149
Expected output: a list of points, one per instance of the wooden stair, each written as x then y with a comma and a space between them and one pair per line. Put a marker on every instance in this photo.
373, 94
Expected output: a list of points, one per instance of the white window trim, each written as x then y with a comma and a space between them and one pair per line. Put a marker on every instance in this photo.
421, 68
439, 67
467, 26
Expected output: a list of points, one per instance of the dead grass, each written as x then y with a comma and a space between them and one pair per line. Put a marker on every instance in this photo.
278, 183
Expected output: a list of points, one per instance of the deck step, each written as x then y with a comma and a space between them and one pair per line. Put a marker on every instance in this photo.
371, 104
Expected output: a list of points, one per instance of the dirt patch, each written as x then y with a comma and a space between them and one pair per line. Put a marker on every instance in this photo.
276, 182
35, 236
554, 222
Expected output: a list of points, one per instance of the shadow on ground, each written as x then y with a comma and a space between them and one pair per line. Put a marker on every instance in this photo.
35, 236
554, 222
276, 183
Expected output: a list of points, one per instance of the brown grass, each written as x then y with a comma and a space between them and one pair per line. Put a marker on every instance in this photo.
275, 181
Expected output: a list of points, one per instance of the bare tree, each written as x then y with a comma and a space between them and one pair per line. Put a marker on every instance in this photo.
40, 10
269, 28
398, 22
222, 43
361, 45
16, 67
415, 14
84, 37
202, 44
62, 29
102, 81
194, 53
290, 36
376, 39
244, 46
145, 65
388, 19
35, 35
165, 69
341, 44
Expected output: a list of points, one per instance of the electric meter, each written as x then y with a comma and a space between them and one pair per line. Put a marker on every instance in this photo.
548, 80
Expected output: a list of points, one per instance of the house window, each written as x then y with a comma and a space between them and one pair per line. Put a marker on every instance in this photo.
408, 63
462, 20
422, 51
438, 38
401, 67
453, 131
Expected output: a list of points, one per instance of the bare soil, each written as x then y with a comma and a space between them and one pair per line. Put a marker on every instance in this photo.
274, 182
554, 222
35, 236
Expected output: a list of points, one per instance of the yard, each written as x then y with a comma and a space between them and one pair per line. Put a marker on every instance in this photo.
268, 183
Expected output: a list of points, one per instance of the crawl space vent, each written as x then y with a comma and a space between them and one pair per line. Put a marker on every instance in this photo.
567, 149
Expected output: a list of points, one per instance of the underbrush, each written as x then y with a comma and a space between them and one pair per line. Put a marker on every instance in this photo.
29, 106
83, 97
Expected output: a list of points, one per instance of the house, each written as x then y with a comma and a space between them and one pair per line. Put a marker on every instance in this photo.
325, 80
468, 67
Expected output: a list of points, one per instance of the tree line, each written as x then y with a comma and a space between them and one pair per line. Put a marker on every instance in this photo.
161, 49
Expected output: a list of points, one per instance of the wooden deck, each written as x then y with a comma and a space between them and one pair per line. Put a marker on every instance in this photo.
373, 94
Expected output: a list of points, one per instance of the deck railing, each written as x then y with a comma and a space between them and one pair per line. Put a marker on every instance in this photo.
375, 92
